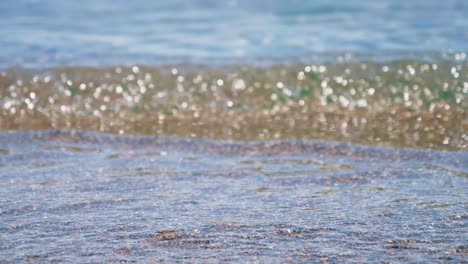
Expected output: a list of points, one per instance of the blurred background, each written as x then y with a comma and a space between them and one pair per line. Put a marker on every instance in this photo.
89, 32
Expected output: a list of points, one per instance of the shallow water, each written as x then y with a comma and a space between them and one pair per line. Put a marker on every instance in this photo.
91, 197
233, 131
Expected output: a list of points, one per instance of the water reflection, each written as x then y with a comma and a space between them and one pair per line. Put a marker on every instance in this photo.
403, 103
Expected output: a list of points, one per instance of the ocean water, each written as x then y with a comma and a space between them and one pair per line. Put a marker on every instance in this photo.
54, 32
233, 131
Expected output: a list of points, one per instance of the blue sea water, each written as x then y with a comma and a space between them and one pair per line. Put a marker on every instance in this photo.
54, 32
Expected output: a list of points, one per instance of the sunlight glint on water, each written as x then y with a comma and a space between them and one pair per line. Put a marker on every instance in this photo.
276, 131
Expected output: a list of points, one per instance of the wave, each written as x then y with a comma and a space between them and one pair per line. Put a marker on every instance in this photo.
402, 103
317, 148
